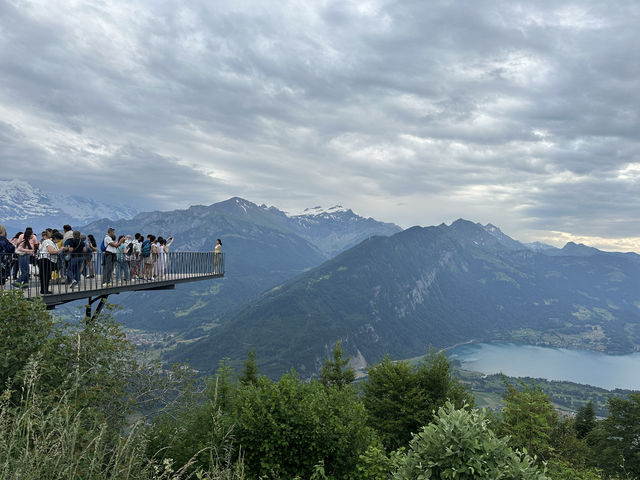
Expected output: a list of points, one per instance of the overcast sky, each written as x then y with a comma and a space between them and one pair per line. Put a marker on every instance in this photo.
522, 114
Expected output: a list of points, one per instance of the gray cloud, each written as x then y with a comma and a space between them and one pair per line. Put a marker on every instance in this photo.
525, 115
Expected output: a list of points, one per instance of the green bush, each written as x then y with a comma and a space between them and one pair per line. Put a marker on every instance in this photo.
287, 428
460, 445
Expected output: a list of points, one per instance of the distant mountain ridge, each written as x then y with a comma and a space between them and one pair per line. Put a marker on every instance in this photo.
434, 286
318, 225
263, 246
23, 205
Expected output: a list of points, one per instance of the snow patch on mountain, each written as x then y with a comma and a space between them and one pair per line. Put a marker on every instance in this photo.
317, 211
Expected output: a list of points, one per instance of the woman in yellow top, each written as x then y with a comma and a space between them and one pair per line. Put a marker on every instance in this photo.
217, 254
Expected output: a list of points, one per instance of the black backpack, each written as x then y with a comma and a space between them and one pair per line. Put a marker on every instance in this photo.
129, 250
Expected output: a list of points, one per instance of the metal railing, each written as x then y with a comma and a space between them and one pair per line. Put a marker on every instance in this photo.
90, 272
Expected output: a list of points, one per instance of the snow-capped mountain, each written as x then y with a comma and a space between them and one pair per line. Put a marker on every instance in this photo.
20, 201
22, 205
337, 228
505, 240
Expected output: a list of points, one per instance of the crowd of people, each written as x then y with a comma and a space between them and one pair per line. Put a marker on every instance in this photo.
68, 255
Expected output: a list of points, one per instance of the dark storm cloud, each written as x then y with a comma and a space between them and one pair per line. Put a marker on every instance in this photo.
526, 110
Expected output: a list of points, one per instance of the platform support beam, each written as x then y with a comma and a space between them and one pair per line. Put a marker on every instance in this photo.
91, 317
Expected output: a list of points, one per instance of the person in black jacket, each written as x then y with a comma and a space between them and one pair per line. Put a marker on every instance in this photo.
6, 256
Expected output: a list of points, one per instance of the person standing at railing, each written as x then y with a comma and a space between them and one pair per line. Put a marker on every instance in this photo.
64, 267
167, 243
121, 258
217, 256
135, 261
47, 256
148, 256
26, 247
110, 245
6, 256
162, 248
15, 269
74, 248
91, 246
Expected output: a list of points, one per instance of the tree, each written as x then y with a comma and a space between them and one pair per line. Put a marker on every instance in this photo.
616, 439
400, 398
571, 455
287, 428
250, 373
337, 372
459, 444
25, 327
197, 428
529, 419
585, 420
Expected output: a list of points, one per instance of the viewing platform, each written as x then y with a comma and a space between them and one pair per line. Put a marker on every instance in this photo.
162, 273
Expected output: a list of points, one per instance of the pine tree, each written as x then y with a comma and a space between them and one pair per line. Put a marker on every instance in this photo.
250, 374
337, 372
585, 420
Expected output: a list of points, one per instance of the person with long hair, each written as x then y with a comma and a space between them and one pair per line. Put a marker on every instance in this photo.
123, 274
47, 256
92, 247
217, 256
27, 246
14, 264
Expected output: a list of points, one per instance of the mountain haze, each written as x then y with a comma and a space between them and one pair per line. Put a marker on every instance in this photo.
434, 286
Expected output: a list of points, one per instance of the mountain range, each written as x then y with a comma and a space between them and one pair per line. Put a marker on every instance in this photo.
433, 287
298, 282
23, 205
263, 247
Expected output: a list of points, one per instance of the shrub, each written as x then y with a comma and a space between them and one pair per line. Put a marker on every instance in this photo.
460, 445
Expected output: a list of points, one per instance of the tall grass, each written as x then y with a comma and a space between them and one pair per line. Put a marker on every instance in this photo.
42, 439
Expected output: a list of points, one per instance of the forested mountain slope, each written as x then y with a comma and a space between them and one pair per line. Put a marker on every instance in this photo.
434, 286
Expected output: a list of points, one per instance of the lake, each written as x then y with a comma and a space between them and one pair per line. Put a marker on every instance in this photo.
580, 366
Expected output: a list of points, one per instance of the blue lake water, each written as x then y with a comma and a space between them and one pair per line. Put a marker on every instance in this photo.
580, 366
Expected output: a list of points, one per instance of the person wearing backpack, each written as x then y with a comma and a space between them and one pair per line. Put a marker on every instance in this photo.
6, 256
74, 247
148, 259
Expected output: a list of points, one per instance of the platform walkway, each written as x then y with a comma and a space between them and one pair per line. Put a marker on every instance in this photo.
173, 268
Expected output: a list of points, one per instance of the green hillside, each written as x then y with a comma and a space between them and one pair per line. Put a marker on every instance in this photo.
433, 286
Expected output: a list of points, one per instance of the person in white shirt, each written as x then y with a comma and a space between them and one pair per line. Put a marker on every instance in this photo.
47, 256
136, 258
109, 260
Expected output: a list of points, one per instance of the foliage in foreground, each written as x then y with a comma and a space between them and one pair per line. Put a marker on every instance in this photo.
69, 392
401, 398
459, 444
